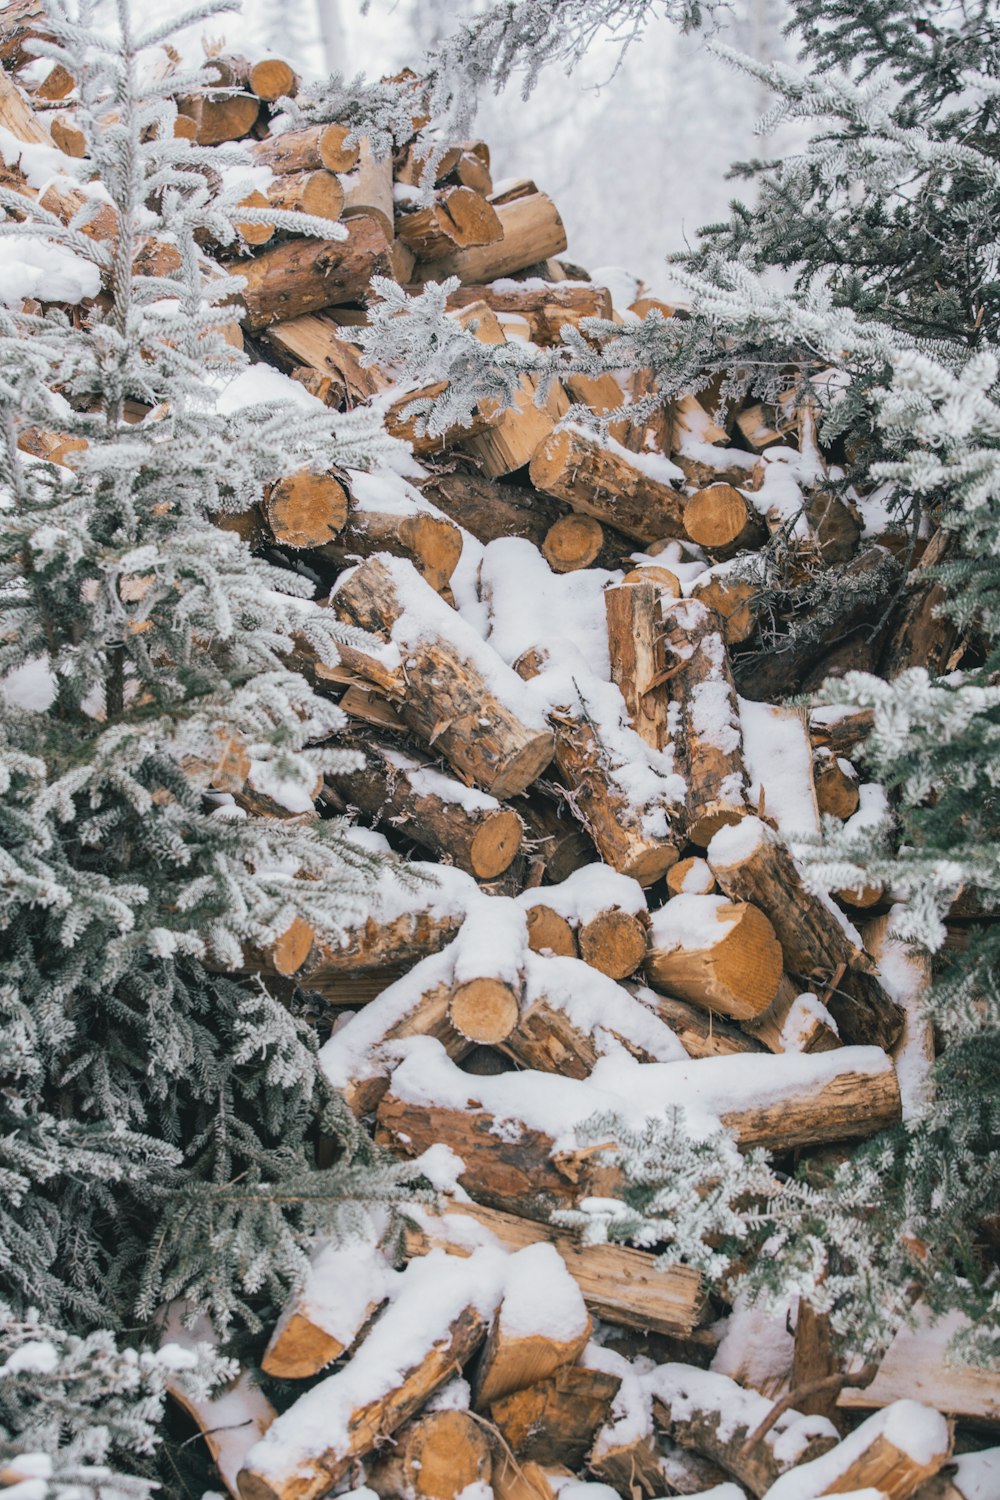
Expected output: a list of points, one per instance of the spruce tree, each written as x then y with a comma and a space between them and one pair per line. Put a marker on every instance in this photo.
159, 1120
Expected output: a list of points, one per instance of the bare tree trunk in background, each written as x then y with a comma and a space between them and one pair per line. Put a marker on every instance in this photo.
332, 38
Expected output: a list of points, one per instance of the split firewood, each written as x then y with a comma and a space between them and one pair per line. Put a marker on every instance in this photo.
638, 659
607, 482
432, 543
319, 193
751, 864
492, 511
554, 1421
719, 519
21, 21
919, 1366
836, 783
471, 828
305, 509
318, 342
840, 730
731, 598
302, 275
314, 148
540, 1326
509, 438
368, 189
570, 1016
619, 1285
436, 1320
633, 1466
459, 218
547, 309
891, 1454
473, 169
436, 1457
344, 1288
231, 1420
719, 954
715, 1416
602, 911
532, 231
701, 685
68, 136
555, 841
273, 78
760, 427
692, 876
458, 694
513, 1480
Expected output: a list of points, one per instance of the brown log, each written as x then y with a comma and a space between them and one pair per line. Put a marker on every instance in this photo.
473, 830
603, 483
374, 946
516, 1353
224, 117
836, 788
752, 865
634, 1467
664, 579
842, 732
555, 1038
460, 217
312, 149
922, 637
761, 427
732, 600
701, 684
619, 1285
573, 542
453, 681
491, 511
67, 135
432, 543
814, 1361
272, 78
548, 932
554, 1421
307, 1337
300, 1477
484, 1010
510, 437
613, 942
305, 509
719, 519
434, 1458
737, 973
57, 83
638, 660
718, 1416
20, 21
318, 342
555, 840
303, 275
811, 1029
692, 876
547, 309
319, 193
473, 170
701, 1033
532, 231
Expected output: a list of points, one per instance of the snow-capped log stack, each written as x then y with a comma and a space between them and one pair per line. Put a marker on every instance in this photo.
576, 740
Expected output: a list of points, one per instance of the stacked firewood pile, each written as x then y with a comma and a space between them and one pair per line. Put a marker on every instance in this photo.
570, 725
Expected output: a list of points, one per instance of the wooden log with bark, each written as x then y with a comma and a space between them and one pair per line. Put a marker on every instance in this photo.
532, 231
638, 658
303, 275
432, 543
722, 955
531, 1337
554, 1421
459, 217
435, 1457
314, 148
608, 484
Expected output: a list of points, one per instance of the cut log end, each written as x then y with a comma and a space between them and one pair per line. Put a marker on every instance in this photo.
516, 772
691, 876
495, 844
548, 932
306, 510
705, 826
484, 1010
650, 864
738, 974
720, 520
272, 78
572, 543
613, 942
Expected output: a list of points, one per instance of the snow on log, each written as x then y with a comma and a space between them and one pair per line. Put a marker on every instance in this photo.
344, 1288
438, 1315
312, 149
891, 1455
540, 1325
596, 908
722, 955
459, 695
303, 275
917, 1366
532, 231
638, 659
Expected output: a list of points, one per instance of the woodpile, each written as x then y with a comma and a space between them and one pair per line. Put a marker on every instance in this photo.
572, 731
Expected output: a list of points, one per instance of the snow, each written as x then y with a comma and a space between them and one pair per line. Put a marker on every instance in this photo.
428, 781
31, 686
541, 1299
260, 385
803, 1014
623, 285
586, 893
977, 1475
493, 942
778, 757
688, 1391
736, 842
353, 1050
914, 1429
37, 1357
342, 1284
691, 922
698, 878
441, 890
429, 1295
905, 976
756, 1347
873, 809
31, 266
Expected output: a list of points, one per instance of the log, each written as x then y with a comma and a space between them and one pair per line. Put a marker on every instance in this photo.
319, 193
459, 695
68, 136
303, 275
306, 509
470, 828
613, 942
921, 636
633, 1466
318, 342
20, 21
432, 543
549, 932
314, 148
521, 1348
891, 1454
721, 955
357, 1407
473, 169
434, 1458
312, 1330
836, 783
377, 945
553, 839
750, 864
460, 217
532, 231
638, 660
228, 117
794, 1022
692, 876
368, 189
619, 1285
509, 438
605, 482
701, 685
573, 542
554, 1421
732, 600
719, 519
491, 511
701, 1033
273, 78
715, 1416
547, 309
917, 1366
